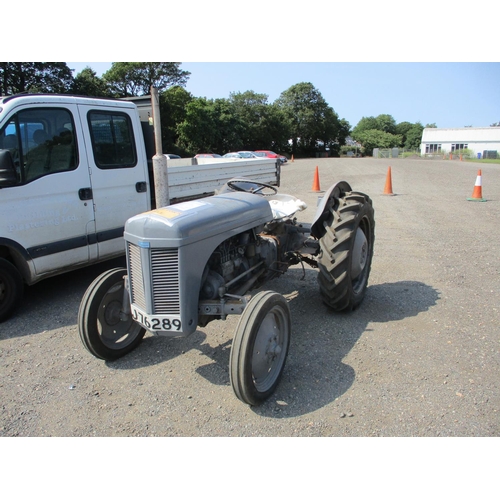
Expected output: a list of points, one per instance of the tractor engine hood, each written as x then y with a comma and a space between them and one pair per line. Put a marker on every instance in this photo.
191, 221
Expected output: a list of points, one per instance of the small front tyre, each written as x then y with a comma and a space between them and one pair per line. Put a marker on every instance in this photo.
260, 347
104, 330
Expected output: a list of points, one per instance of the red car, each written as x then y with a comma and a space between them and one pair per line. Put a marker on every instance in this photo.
270, 154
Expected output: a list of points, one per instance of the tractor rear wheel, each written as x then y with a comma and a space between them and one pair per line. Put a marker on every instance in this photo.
346, 251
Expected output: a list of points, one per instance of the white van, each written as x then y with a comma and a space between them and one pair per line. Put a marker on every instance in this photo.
72, 171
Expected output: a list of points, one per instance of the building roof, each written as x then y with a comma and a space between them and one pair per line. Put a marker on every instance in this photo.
463, 135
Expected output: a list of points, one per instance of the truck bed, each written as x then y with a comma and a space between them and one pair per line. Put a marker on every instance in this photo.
188, 181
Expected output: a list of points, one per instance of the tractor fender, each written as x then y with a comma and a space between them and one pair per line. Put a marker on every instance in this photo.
330, 200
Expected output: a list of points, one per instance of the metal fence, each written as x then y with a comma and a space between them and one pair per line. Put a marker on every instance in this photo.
394, 153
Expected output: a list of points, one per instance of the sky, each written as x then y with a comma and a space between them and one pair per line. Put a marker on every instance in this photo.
449, 94
415, 62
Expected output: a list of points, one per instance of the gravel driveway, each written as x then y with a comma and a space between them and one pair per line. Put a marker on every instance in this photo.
420, 357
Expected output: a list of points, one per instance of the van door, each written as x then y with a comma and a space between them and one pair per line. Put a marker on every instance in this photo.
47, 215
118, 172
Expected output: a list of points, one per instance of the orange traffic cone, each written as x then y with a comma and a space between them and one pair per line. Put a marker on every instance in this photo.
315, 186
477, 194
388, 183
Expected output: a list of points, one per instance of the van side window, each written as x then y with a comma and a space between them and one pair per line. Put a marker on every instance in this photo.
112, 139
41, 142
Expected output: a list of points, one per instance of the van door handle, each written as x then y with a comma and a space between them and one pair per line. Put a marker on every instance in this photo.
85, 193
141, 187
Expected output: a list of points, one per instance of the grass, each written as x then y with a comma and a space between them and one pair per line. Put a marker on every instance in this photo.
483, 160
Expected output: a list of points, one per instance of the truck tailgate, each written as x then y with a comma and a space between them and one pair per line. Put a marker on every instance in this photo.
194, 181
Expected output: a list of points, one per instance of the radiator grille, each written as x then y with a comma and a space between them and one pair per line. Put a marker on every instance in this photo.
136, 279
165, 277
163, 266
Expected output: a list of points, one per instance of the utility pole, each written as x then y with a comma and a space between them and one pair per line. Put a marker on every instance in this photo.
160, 172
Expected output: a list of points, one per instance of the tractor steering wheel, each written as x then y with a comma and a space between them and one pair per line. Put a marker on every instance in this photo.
254, 187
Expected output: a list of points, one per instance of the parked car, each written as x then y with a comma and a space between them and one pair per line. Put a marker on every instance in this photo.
232, 155
172, 156
248, 154
266, 153
208, 155
270, 154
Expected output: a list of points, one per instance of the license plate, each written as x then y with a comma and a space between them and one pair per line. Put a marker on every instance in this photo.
157, 323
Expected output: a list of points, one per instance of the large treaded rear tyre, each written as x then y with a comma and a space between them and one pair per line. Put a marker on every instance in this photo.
346, 251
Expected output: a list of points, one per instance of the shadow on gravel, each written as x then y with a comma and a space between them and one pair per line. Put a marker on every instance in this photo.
157, 350
54, 302
315, 374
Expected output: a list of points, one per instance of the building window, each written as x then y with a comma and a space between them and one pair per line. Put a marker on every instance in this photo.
432, 148
458, 147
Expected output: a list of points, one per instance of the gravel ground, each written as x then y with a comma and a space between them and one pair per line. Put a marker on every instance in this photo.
420, 357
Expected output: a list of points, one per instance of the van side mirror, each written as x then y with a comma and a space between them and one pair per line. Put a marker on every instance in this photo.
8, 175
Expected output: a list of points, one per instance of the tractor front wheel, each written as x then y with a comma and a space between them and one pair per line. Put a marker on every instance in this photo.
260, 347
104, 329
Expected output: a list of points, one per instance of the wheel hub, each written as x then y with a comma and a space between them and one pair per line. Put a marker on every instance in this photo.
112, 313
267, 348
359, 254
274, 349
113, 330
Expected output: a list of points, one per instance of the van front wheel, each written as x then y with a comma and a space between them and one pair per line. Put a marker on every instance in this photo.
11, 288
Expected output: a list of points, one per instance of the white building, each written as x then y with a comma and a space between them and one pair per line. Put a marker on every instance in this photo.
480, 140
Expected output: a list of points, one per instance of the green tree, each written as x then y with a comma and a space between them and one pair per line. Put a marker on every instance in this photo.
366, 123
261, 125
386, 123
402, 129
343, 132
128, 79
88, 83
371, 139
196, 131
251, 109
34, 77
310, 120
229, 128
414, 137
431, 125
382, 128
276, 131
173, 105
